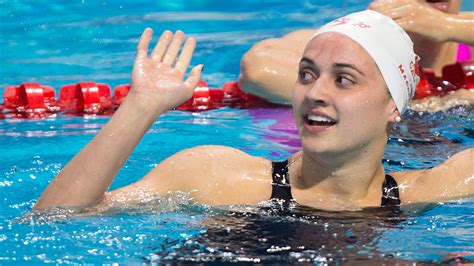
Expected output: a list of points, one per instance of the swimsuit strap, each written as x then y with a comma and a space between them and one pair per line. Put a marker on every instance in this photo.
390, 194
281, 188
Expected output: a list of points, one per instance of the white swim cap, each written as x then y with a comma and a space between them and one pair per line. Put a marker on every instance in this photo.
389, 46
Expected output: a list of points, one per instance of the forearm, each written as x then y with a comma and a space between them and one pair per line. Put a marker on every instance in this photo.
436, 104
157, 85
460, 28
86, 178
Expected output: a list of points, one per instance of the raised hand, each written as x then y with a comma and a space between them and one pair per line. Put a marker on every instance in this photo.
415, 16
158, 80
157, 85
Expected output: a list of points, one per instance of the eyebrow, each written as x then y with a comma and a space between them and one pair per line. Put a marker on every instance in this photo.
343, 65
307, 61
310, 62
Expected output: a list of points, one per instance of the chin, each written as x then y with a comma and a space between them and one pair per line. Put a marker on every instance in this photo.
320, 147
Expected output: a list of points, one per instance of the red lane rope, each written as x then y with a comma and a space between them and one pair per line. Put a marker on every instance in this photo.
33, 100
454, 77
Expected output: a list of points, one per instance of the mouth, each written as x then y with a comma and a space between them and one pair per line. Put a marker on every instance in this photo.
318, 122
441, 5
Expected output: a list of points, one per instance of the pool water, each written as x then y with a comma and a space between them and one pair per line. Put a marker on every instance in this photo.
57, 43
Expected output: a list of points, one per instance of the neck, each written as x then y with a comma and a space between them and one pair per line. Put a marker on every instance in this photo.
348, 180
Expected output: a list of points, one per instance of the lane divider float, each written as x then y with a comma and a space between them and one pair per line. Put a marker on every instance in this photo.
454, 77
34, 100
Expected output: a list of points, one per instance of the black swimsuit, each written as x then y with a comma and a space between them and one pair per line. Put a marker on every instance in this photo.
281, 188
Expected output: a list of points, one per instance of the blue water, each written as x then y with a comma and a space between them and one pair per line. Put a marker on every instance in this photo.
57, 42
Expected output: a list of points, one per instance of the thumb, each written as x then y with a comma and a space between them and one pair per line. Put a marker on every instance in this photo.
193, 79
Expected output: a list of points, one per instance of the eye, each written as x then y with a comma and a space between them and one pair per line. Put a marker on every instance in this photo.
305, 76
344, 80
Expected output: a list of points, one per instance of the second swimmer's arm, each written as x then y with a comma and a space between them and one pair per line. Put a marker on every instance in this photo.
460, 27
419, 18
269, 69
156, 87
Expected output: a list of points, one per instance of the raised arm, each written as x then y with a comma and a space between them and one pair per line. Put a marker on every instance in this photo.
269, 69
157, 85
418, 17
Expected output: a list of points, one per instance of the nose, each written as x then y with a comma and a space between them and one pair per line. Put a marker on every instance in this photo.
319, 92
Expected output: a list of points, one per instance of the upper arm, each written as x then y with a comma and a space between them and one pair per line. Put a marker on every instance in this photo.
300, 36
293, 42
454, 178
210, 174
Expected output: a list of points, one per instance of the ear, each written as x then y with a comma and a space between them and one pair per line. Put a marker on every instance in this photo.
392, 111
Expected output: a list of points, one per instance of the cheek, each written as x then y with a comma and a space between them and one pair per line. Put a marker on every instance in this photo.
297, 96
363, 105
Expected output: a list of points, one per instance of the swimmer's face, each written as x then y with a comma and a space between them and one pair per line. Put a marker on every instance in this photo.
340, 100
448, 6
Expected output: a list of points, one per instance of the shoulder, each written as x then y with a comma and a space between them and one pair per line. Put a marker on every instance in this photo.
212, 175
212, 156
452, 179
214, 150
219, 175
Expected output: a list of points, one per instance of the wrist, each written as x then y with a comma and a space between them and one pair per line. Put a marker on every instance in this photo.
445, 26
135, 106
456, 27
147, 106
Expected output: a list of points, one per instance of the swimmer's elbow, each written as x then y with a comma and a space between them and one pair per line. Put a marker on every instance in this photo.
254, 61
252, 78
260, 72
251, 68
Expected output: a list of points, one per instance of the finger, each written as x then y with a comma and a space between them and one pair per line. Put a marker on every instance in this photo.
396, 2
185, 56
193, 79
378, 5
399, 12
412, 28
161, 45
406, 24
173, 48
142, 48
383, 5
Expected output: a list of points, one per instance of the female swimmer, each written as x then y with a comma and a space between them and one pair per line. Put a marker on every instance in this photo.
353, 83
441, 35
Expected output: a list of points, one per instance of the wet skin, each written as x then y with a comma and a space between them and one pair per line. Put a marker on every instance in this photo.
339, 168
269, 68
